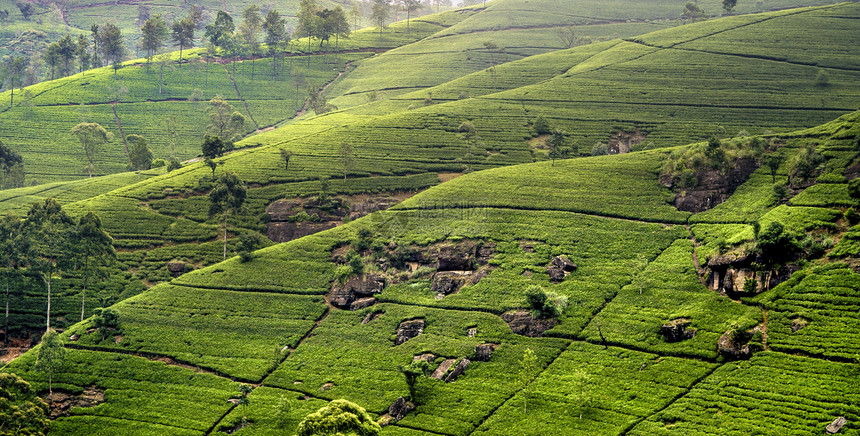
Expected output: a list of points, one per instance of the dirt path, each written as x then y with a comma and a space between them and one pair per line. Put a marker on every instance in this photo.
248, 110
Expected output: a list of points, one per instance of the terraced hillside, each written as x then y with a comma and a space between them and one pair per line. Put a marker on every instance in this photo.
444, 276
160, 218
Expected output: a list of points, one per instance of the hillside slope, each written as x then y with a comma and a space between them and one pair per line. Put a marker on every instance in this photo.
287, 323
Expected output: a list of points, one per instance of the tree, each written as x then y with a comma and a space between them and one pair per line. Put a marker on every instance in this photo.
94, 252
105, 320
854, 190
347, 157
182, 35
67, 50
339, 417
211, 164
410, 6
558, 145
692, 11
379, 13
22, 412
355, 14
139, 155
470, 135
286, 155
545, 304
569, 38
224, 120
195, 14
729, 5
111, 45
804, 166
222, 28
27, 9
96, 33
49, 226
412, 373
335, 24
775, 245
52, 57
15, 246
10, 161
227, 196
154, 33
541, 126
308, 22
772, 161
528, 369
252, 24
580, 390
91, 136
276, 35
213, 146
50, 357
83, 52
13, 71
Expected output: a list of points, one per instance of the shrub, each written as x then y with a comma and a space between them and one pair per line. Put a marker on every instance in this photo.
106, 320
750, 286
173, 165
158, 163
852, 216
545, 304
599, 149
542, 126
339, 417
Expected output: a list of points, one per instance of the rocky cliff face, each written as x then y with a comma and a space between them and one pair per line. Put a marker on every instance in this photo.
714, 187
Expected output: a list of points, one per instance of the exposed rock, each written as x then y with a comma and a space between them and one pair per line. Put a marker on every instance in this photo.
485, 252
677, 330
442, 369
471, 332
74, 337
527, 246
713, 187
427, 357
732, 350
344, 294
564, 263
371, 316
61, 403
176, 268
326, 386
798, 324
836, 426
408, 330
728, 259
400, 408
457, 371
447, 282
483, 352
481, 273
622, 142
457, 257
556, 275
362, 303
523, 323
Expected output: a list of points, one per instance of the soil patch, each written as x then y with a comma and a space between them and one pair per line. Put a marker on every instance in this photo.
62, 403
622, 142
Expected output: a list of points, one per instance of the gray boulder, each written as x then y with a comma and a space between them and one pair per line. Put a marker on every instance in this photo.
408, 330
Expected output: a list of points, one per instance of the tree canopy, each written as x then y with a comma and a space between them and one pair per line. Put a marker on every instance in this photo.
339, 417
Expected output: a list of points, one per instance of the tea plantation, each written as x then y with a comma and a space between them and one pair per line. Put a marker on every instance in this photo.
547, 293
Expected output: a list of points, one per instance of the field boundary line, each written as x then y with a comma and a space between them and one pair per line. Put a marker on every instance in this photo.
672, 401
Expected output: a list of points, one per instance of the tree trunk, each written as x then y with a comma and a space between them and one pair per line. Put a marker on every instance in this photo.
119, 125
12, 97
48, 322
253, 62
6, 328
161, 79
225, 234
309, 52
180, 57
84, 296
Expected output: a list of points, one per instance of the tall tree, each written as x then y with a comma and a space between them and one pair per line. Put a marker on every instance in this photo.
276, 36
308, 22
23, 412
91, 135
10, 164
729, 5
50, 357
15, 248
49, 225
139, 154
252, 24
13, 72
195, 14
68, 50
338, 26
154, 32
355, 14
227, 196
52, 57
222, 28
182, 35
96, 33
83, 52
111, 45
94, 252
379, 13
347, 157
225, 121
410, 6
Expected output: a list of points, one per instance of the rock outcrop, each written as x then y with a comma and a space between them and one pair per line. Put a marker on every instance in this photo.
731, 349
714, 187
677, 330
523, 323
458, 370
400, 408
343, 295
408, 330
483, 352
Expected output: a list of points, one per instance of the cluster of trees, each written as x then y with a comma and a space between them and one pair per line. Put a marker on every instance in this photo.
11, 168
69, 54
47, 242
